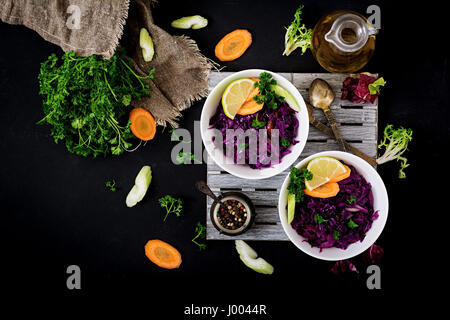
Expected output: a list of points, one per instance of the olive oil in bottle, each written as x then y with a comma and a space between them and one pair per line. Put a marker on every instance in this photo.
343, 41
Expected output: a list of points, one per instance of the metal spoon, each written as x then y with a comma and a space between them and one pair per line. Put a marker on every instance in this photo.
204, 188
319, 125
321, 96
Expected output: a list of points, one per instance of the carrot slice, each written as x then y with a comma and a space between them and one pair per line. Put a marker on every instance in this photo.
163, 254
252, 94
342, 176
233, 45
250, 107
327, 190
143, 124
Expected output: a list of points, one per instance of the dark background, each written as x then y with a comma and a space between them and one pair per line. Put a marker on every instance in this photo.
56, 211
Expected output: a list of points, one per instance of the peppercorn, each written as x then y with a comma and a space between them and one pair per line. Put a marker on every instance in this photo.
232, 215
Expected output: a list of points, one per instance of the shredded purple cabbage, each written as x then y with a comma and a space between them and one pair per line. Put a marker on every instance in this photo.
337, 221
283, 118
373, 255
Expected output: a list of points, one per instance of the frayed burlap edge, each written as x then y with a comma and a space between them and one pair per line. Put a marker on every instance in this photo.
205, 63
124, 6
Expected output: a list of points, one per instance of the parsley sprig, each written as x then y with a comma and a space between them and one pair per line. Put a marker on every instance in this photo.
200, 233
351, 224
258, 124
111, 185
351, 199
319, 219
266, 94
297, 184
171, 204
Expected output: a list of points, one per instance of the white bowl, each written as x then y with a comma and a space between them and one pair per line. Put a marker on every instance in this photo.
241, 170
380, 203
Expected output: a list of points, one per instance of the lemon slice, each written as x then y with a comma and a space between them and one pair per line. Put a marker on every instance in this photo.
235, 95
323, 170
279, 90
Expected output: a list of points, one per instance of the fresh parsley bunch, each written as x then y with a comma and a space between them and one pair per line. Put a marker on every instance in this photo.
85, 100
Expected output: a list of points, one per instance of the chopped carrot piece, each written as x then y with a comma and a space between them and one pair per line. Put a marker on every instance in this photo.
252, 94
342, 176
162, 254
233, 45
250, 107
327, 190
143, 124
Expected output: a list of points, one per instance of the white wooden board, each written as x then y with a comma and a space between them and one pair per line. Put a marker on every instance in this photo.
357, 124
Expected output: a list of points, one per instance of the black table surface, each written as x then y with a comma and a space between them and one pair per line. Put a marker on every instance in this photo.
56, 211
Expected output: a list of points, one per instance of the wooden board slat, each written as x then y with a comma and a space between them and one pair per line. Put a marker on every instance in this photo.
314, 147
358, 124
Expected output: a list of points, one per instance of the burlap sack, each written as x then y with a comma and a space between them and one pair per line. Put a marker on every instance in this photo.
96, 27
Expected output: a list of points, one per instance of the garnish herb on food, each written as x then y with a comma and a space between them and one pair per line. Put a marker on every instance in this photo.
250, 258
191, 22
266, 94
351, 199
140, 187
85, 100
285, 142
351, 224
171, 204
111, 185
200, 233
258, 124
243, 146
336, 235
395, 143
297, 35
319, 219
297, 185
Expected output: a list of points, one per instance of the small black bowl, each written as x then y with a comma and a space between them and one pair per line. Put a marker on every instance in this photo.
251, 213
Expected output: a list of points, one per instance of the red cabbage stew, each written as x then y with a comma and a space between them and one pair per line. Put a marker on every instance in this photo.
337, 221
283, 118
